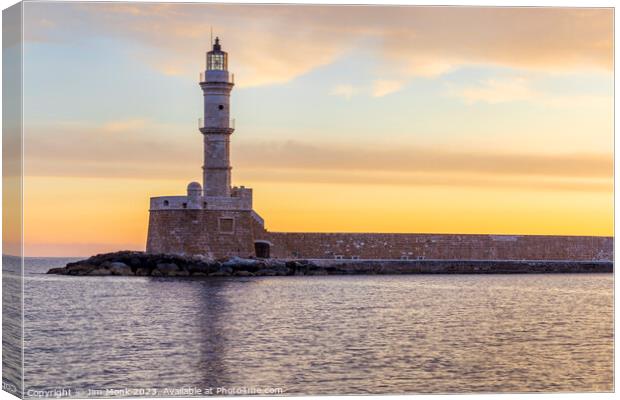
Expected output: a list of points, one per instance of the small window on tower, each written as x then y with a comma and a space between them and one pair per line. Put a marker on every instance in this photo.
227, 225
221, 107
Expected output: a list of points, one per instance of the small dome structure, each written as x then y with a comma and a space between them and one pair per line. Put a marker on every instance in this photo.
194, 189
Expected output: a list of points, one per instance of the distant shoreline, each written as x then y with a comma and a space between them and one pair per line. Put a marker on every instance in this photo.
133, 263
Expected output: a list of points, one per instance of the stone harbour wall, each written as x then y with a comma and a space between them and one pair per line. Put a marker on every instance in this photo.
225, 233
439, 246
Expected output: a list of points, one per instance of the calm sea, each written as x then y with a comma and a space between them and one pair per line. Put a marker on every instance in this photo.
317, 335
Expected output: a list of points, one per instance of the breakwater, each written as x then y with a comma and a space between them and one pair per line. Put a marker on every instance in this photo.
133, 263
227, 232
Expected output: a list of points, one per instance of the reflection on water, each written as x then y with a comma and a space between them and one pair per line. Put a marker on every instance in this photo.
321, 335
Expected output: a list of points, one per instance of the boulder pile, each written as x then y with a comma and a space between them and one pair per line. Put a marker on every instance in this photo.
136, 263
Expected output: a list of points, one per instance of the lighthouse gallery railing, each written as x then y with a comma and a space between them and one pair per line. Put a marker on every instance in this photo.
201, 78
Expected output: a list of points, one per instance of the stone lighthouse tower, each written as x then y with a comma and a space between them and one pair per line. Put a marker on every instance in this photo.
216, 126
214, 219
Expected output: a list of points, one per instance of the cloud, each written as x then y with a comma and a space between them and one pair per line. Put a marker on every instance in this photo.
170, 69
379, 88
357, 157
139, 149
135, 148
510, 89
516, 183
495, 91
272, 44
124, 125
384, 87
558, 39
296, 162
343, 90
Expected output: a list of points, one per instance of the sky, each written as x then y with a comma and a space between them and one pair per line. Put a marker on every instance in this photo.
348, 118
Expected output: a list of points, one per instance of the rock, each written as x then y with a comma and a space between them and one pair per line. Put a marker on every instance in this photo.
146, 264
219, 273
99, 272
243, 273
167, 268
225, 269
266, 272
76, 267
240, 262
320, 271
143, 272
275, 263
80, 269
282, 270
201, 257
203, 268
119, 268
298, 267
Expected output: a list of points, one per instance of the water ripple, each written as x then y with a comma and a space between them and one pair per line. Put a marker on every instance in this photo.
323, 335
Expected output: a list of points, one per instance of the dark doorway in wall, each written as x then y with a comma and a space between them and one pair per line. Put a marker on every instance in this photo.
262, 249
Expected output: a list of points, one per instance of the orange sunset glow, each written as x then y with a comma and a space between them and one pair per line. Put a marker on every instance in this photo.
360, 119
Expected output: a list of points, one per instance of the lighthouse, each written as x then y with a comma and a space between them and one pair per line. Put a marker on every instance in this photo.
215, 219
216, 126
